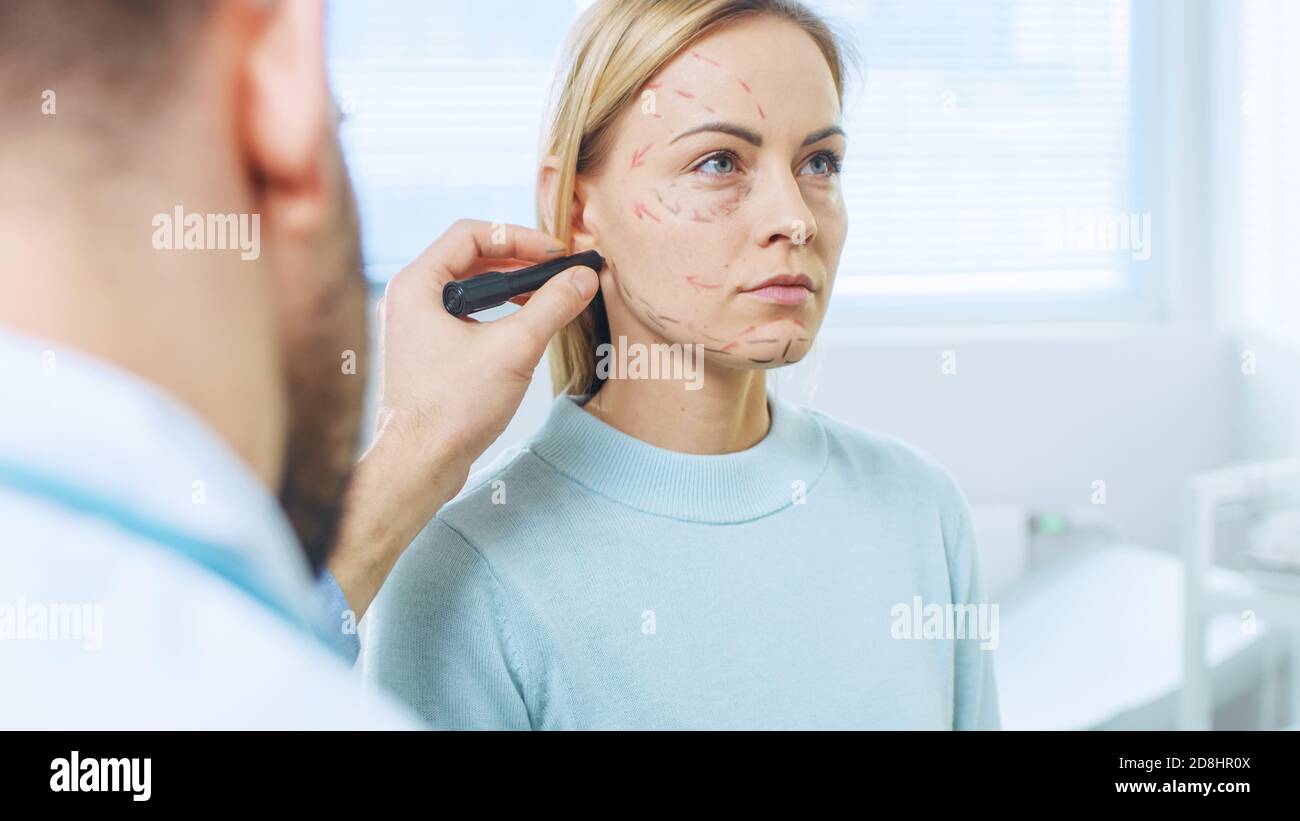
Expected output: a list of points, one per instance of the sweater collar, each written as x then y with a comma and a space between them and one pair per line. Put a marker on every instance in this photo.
715, 489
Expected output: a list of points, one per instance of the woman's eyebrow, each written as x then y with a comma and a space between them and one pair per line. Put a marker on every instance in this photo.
821, 134
751, 137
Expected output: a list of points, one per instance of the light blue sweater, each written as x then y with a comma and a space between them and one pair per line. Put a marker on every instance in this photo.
590, 580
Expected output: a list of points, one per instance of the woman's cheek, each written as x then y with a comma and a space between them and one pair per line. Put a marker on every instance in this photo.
701, 202
828, 208
650, 256
683, 225
679, 225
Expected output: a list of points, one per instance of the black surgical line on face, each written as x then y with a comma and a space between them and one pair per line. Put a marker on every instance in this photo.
652, 313
669, 208
658, 319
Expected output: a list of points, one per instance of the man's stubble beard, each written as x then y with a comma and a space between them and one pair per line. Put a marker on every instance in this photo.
325, 397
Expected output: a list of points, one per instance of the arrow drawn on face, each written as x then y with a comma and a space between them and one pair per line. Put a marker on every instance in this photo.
640, 209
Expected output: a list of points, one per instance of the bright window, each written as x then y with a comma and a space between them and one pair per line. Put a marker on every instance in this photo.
1268, 173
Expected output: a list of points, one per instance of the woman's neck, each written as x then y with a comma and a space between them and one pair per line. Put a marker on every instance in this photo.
727, 414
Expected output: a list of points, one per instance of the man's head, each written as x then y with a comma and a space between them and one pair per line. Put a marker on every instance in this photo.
114, 115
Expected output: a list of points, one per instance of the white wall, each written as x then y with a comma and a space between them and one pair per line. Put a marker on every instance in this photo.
1268, 416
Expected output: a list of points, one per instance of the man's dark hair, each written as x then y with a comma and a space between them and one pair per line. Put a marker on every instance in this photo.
118, 54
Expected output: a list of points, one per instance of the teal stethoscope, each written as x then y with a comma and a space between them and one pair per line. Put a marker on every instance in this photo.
216, 558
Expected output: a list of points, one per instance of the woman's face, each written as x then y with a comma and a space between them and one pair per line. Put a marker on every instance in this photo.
723, 176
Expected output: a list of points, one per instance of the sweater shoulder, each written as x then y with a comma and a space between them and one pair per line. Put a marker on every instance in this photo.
500, 497
884, 457
899, 472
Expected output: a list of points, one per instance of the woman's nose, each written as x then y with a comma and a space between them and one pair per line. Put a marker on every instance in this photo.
785, 214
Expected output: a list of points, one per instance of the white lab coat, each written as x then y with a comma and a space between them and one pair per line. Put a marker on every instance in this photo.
147, 578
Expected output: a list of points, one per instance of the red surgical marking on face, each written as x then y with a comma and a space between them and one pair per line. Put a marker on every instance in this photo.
798, 322
711, 111
639, 209
654, 85
748, 330
696, 282
688, 95
728, 346
761, 115
743, 85
638, 157
699, 56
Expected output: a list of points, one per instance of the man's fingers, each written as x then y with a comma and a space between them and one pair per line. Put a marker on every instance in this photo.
456, 252
553, 306
485, 264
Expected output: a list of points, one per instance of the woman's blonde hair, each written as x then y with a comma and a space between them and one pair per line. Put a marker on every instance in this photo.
614, 48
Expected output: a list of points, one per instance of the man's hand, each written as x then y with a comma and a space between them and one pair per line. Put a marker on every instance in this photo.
448, 386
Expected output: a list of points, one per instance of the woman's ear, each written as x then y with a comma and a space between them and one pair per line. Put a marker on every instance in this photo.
582, 217
547, 179
581, 235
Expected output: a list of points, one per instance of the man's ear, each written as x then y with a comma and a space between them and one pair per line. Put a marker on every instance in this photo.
582, 237
287, 106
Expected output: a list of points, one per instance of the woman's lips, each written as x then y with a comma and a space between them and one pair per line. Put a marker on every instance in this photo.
781, 294
783, 289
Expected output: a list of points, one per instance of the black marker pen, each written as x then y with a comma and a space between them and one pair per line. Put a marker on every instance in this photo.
488, 290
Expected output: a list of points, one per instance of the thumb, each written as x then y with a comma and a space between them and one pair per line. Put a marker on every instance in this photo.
554, 305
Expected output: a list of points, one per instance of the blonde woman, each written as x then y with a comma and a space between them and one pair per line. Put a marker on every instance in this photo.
669, 552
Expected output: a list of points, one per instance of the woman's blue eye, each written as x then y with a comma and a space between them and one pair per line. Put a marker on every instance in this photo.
717, 165
824, 163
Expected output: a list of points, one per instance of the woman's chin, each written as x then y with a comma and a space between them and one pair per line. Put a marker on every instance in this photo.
774, 350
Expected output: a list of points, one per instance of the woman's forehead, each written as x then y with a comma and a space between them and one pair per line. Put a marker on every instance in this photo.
761, 74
